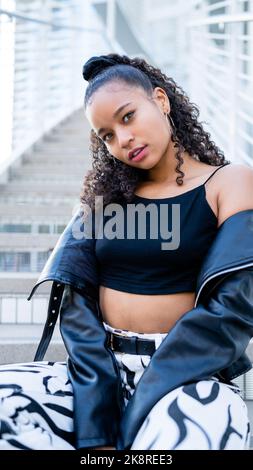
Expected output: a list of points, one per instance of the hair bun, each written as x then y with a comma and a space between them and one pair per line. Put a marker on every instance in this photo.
95, 65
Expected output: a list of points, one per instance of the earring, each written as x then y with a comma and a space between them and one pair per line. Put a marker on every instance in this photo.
170, 121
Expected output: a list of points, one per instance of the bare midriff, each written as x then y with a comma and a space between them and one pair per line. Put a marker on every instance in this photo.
143, 313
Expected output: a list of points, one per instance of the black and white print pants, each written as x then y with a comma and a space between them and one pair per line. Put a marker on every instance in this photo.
36, 409
206, 415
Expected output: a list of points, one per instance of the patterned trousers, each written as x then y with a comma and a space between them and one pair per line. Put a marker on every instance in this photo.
36, 408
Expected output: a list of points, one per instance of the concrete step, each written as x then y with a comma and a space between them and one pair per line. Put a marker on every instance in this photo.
20, 352
15, 241
52, 172
52, 179
46, 213
75, 137
26, 186
60, 191
39, 199
73, 140
45, 187
61, 147
49, 165
58, 158
18, 344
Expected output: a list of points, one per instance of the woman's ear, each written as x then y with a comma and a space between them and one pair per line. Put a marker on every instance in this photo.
162, 100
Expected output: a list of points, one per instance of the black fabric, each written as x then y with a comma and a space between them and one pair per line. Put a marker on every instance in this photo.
72, 261
93, 372
131, 345
204, 341
52, 315
212, 337
138, 261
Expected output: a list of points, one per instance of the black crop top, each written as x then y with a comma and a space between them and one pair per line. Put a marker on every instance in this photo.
136, 262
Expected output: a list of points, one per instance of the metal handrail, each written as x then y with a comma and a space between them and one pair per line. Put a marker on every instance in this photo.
47, 23
223, 55
222, 19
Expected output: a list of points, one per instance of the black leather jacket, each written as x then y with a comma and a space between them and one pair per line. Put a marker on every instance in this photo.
208, 340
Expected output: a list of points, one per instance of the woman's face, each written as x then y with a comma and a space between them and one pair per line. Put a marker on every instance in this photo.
141, 123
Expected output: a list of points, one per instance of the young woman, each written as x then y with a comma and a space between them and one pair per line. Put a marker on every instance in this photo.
155, 327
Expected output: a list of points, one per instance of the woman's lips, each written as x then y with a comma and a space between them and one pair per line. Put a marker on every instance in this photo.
140, 155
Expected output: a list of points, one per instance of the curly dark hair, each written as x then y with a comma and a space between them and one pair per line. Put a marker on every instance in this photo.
117, 181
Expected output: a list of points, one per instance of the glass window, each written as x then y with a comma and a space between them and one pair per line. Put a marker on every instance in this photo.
16, 228
60, 228
42, 257
44, 229
15, 262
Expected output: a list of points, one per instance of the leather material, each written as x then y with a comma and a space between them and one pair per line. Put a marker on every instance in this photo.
131, 345
204, 341
93, 371
231, 250
72, 260
54, 306
210, 338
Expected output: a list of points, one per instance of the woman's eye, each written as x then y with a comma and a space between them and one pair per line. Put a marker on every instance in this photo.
131, 112
105, 137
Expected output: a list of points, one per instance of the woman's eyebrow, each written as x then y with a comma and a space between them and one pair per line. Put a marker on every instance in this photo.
102, 129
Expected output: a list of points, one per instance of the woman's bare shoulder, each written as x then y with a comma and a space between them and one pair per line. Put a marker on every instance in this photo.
235, 190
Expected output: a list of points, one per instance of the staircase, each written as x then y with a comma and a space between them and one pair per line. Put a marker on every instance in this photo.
42, 193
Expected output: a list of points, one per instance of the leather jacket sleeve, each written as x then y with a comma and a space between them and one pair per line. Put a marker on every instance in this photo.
205, 340
92, 370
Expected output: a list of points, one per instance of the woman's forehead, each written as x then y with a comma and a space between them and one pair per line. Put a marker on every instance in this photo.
107, 100
114, 93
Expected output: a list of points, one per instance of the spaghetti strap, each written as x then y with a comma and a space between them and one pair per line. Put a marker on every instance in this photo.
215, 172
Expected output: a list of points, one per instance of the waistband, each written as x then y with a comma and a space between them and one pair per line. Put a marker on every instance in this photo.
152, 338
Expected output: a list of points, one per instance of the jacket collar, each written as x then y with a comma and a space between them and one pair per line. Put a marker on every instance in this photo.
231, 250
73, 259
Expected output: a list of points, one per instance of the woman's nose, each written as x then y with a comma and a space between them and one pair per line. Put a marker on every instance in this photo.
124, 137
